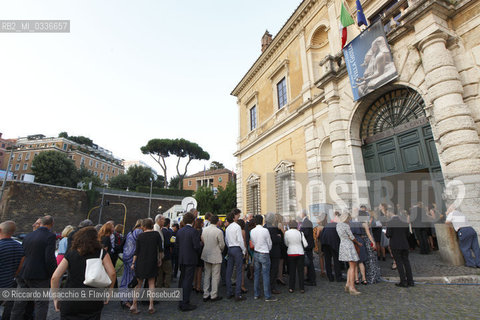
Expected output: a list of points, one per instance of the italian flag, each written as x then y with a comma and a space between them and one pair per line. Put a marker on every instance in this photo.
345, 20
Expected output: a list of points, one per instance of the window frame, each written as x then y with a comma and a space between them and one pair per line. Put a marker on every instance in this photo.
253, 120
282, 95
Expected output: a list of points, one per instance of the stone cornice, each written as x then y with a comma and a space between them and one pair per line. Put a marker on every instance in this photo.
281, 36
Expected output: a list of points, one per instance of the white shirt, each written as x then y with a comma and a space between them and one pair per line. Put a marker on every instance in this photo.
295, 242
261, 239
458, 220
233, 236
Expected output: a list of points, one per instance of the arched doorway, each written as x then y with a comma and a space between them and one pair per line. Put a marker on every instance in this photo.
400, 158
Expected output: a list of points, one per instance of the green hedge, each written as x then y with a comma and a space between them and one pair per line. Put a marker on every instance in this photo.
168, 192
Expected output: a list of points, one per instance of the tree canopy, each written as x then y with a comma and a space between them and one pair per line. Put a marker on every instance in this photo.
139, 175
54, 167
222, 203
122, 181
78, 139
216, 165
160, 149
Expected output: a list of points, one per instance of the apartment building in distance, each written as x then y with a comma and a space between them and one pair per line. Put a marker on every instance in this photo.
211, 178
97, 160
129, 163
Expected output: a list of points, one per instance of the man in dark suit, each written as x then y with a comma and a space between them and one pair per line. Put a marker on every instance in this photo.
38, 267
330, 246
307, 229
397, 231
421, 225
188, 242
275, 252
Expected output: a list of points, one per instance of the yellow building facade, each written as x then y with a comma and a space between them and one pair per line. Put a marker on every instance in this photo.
304, 141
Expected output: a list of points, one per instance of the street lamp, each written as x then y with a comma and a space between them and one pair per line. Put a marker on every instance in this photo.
150, 198
101, 204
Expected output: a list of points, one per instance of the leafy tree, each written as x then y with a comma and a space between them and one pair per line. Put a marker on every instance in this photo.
190, 150
85, 176
160, 149
122, 181
160, 182
216, 165
226, 198
139, 175
54, 167
78, 139
174, 181
205, 199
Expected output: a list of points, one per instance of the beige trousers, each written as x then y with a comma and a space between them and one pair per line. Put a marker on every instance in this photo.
212, 275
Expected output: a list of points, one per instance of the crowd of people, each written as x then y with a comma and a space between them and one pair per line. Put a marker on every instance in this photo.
210, 252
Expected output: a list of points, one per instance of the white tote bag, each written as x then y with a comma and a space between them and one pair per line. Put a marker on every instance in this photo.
95, 274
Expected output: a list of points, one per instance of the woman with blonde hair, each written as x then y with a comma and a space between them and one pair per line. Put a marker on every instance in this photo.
62, 245
347, 251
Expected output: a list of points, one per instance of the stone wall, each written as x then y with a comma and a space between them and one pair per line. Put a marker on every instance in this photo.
25, 202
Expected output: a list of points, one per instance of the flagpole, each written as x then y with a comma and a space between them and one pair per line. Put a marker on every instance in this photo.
356, 16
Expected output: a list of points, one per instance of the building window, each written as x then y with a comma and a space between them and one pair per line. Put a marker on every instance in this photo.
282, 92
17, 167
65, 146
101, 175
3, 145
253, 117
103, 166
96, 164
19, 157
95, 173
106, 177
253, 194
108, 169
189, 183
22, 177
27, 156
10, 168
82, 161
113, 170
285, 188
25, 166
36, 154
90, 162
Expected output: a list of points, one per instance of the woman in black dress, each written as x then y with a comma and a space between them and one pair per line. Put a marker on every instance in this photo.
85, 246
145, 260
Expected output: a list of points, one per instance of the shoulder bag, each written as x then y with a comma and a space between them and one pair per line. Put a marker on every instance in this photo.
95, 274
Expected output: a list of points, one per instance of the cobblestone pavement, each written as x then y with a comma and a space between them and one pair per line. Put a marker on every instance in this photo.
429, 265
329, 301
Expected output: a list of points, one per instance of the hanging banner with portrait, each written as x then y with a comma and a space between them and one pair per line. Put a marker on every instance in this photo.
369, 61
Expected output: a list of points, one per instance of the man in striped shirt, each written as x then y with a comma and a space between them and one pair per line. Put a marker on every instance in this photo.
11, 259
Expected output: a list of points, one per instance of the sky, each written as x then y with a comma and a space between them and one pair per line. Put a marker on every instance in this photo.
131, 71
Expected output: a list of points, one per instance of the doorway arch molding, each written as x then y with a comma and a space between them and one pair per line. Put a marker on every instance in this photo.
354, 142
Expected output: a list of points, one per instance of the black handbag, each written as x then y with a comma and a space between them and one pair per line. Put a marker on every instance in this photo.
133, 283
